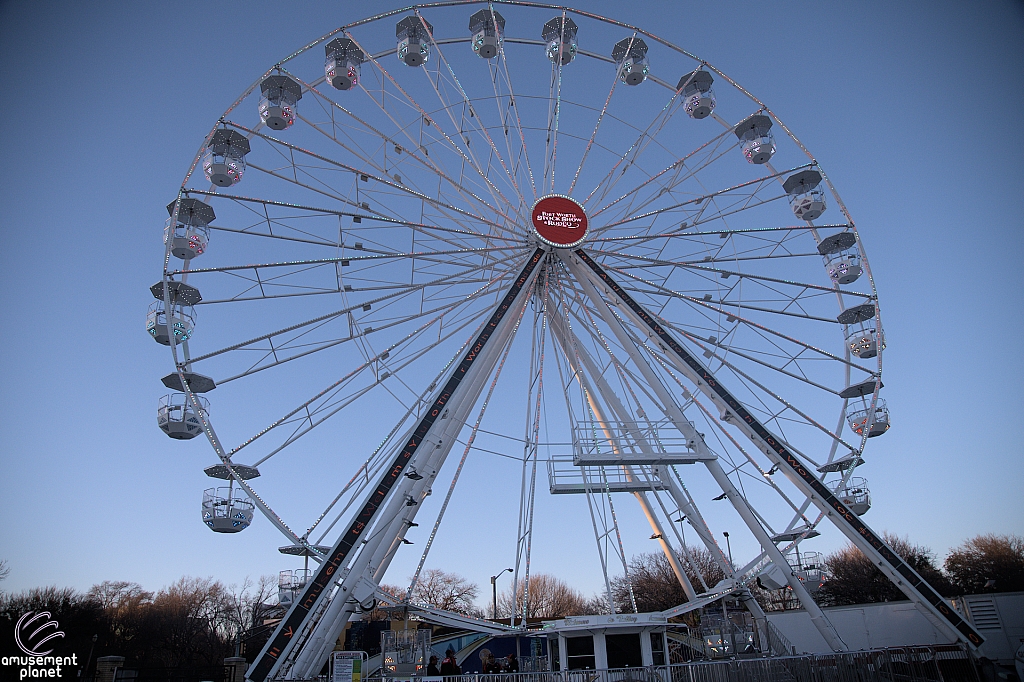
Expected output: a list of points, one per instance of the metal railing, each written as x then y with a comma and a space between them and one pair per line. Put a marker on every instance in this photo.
612, 443
778, 644
938, 663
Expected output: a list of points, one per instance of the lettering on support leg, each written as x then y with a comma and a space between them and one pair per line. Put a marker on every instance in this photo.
262, 666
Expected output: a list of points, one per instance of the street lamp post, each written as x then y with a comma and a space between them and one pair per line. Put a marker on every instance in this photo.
494, 593
725, 614
89, 660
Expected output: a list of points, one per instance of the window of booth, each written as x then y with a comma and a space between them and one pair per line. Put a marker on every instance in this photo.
579, 653
658, 648
624, 651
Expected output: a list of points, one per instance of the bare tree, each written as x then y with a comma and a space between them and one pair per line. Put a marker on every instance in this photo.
654, 583
596, 604
125, 605
448, 591
549, 597
706, 566
5, 569
851, 578
194, 621
117, 594
249, 603
987, 563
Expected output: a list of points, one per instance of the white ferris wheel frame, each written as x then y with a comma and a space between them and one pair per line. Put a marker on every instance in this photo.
312, 624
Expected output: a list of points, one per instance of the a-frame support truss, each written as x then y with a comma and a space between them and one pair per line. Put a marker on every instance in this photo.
349, 573
923, 595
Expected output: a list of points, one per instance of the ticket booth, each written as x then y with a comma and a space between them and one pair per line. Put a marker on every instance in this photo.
614, 642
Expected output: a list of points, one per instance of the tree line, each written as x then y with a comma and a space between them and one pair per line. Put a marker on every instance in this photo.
201, 621
194, 622
983, 564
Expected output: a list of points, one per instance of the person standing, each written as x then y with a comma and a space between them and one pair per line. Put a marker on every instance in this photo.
449, 667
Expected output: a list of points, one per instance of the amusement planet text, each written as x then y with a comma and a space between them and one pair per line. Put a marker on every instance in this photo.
34, 667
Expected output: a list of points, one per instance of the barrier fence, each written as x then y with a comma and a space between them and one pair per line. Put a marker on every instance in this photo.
939, 663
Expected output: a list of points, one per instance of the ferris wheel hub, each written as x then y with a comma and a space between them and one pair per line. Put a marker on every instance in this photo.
559, 221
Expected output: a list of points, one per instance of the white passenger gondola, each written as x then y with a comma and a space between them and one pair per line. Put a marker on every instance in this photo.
227, 509
853, 493
630, 55
278, 104
862, 417
863, 335
182, 315
808, 569
190, 233
560, 36
290, 584
177, 417
806, 196
842, 260
224, 158
413, 35
342, 63
698, 97
177, 326
756, 138
488, 30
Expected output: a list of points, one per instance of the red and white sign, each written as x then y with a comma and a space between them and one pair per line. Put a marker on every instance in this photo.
559, 221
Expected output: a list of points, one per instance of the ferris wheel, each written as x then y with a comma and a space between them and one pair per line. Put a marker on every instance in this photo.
530, 246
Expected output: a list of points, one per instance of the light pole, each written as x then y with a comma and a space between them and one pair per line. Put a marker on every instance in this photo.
725, 614
89, 660
494, 593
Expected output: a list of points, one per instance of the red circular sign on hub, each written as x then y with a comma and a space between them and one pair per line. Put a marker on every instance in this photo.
559, 221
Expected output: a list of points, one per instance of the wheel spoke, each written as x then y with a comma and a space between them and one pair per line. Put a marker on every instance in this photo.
332, 404
613, 176
413, 153
475, 121
328, 316
593, 136
355, 172
700, 200
502, 68
496, 194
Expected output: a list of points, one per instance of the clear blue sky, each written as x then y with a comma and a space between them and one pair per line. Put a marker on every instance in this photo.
912, 108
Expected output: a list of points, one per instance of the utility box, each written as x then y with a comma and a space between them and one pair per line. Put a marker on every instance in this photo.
107, 667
